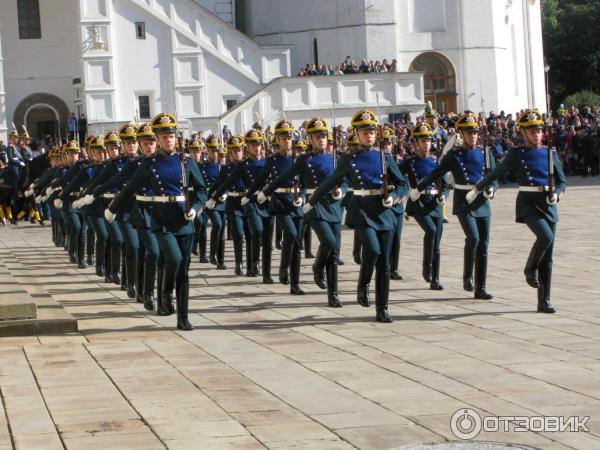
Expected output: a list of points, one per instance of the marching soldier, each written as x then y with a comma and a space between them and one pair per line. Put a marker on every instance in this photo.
468, 165
233, 208
369, 172
285, 204
426, 207
388, 139
326, 216
173, 211
12, 149
300, 148
260, 220
210, 171
541, 183
197, 150
62, 201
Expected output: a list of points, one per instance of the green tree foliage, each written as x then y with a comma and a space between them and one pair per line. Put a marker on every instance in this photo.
582, 98
572, 46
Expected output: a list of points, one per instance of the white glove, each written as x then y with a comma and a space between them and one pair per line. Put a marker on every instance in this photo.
414, 194
190, 215
307, 207
49, 190
210, 203
471, 195
440, 200
298, 202
29, 192
31, 186
39, 199
87, 200
223, 197
57, 203
76, 203
337, 194
489, 193
109, 216
553, 200
261, 197
244, 201
387, 202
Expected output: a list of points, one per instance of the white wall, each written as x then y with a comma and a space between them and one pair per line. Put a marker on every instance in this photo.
45, 65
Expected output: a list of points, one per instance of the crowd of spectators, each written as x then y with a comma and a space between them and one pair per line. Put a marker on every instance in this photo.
348, 67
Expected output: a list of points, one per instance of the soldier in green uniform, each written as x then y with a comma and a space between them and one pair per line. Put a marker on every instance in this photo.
260, 221
326, 217
173, 211
285, 204
426, 208
541, 182
377, 184
468, 166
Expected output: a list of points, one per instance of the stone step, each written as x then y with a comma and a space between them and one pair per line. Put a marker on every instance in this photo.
20, 295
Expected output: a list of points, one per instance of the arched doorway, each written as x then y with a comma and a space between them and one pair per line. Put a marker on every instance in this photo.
43, 114
42, 121
440, 80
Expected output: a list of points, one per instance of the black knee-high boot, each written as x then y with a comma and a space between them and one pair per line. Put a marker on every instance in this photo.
295, 273
427, 258
139, 279
318, 267
469, 256
238, 248
331, 272
394, 274
124, 275
435, 273
115, 265
131, 272
249, 267
545, 279
81, 252
266, 265
165, 307
284, 264
90, 239
382, 293
183, 293
308, 254
149, 280
533, 263
221, 255
107, 262
364, 279
481, 262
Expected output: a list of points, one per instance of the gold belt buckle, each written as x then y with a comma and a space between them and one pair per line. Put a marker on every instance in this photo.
172, 198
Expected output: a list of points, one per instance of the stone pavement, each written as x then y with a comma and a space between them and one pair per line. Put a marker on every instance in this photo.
263, 369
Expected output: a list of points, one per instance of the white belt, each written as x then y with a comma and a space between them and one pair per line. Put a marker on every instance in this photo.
429, 192
284, 190
109, 195
464, 187
235, 194
160, 198
367, 192
533, 188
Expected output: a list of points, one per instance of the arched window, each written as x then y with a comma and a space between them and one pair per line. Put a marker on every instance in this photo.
440, 80
316, 51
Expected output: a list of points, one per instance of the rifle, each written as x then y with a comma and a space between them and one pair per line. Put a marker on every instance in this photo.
550, 144
384, 172
184, 178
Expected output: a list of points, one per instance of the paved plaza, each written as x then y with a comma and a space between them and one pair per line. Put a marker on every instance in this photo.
264, 369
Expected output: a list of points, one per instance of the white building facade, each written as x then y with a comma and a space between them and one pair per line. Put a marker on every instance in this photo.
215, 62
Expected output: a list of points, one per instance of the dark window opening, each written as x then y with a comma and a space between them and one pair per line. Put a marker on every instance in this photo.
28, 14
230, 103
140, 30
144, 106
